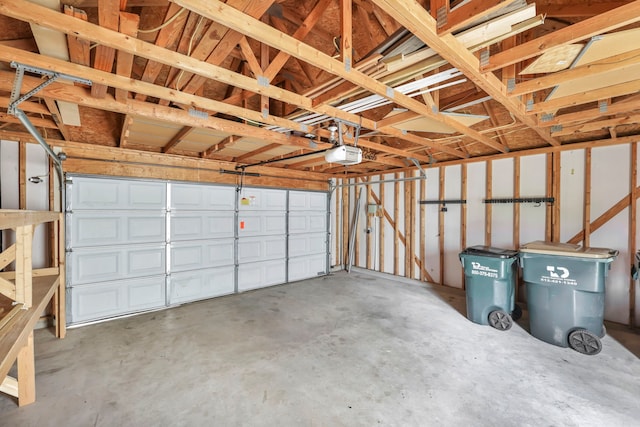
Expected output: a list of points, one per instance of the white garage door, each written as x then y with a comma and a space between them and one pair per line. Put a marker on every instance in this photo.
136, 245
308, 236
116, 243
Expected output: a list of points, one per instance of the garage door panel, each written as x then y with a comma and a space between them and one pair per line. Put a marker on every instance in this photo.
202, 197
262, 223
98, 301
201, 254
307, 222
103, 229
260, 199
115, 194
252, 249
307, 267
307, 244
261, 274
201, 225
307, 201
201, 284
104, 264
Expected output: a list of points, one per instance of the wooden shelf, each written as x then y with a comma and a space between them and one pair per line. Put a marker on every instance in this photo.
13, 336
24, 296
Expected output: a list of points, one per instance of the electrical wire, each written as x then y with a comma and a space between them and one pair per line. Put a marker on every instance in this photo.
167, 22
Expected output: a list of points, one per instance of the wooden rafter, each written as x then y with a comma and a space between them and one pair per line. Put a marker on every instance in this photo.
177, 138
255, 152
416, 19
108, 15
598, 125
219, 146
129, 23
608, 21
452, 20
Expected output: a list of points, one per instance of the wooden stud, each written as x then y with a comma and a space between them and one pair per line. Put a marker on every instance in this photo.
555, 233
423, 230
488, 206
79, 49
22, 175
441, 214
633, 211
408, 232
586, 241
516, 206
463, 215
369, 240
381, 223
396, 231
345, 221
549, 208
23, 282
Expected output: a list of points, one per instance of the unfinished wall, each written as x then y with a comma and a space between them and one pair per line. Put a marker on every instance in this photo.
592, 190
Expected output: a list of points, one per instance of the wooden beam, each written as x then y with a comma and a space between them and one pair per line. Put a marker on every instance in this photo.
465, 14
22, 175
250, 57
610, 63
488, 206
36, 121
586, 215
177, 138
605, 22
463, 216
597, 125
619, 107
394, 222
578, 9
593, 95
380, 214
441, 229
417, 20
53, 110
129, 23
516, 206
220, 12
303, 30
108, 16
79, 49
255, 152
219, 146
346, 33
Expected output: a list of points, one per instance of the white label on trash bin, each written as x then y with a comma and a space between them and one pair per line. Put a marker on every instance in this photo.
559, 276
478, 269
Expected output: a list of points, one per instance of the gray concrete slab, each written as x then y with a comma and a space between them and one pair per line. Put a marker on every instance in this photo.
352, 350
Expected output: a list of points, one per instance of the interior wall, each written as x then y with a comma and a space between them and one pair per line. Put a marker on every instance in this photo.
595, 195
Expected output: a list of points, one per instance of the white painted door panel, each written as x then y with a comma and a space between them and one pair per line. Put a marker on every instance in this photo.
89, 265
307, 201
115, 194
260, 199
261, 274
90, 228
201, 225
202, 197
307, 267
200, 254
253, 249
262, 223
307, 222
108, 299
201, 284
307, 244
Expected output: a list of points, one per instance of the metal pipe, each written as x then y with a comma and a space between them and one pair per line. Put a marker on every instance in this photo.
414, 178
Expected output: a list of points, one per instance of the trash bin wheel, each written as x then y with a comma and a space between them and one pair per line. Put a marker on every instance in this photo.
500, 320
585, 342
516, 313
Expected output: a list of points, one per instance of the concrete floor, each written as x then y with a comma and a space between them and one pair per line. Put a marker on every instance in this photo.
353, 350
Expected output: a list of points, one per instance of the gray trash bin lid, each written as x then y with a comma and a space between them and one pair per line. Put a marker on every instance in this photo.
566, 249
489, 251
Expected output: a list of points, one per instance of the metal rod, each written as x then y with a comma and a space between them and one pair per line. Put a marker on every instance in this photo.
264, 162
443, 202
352, 236
521, 200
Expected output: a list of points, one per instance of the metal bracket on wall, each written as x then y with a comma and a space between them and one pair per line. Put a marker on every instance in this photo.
443, 202
521, 200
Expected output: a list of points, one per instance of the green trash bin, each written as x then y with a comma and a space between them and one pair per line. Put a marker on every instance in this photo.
490, 275
565, 293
